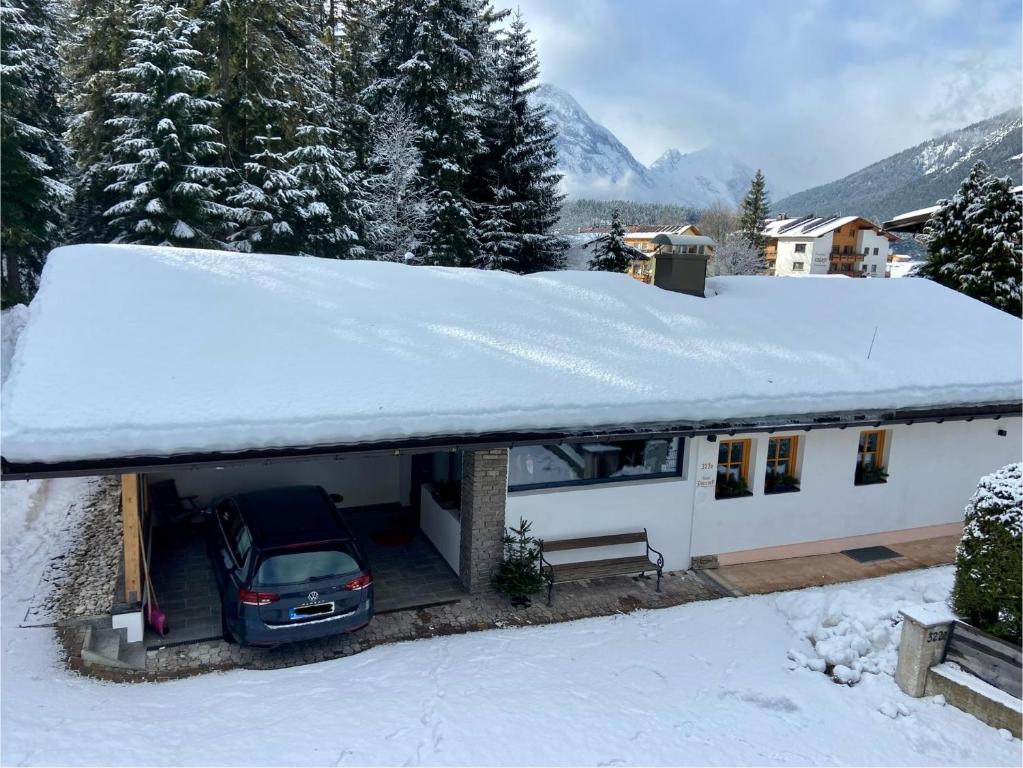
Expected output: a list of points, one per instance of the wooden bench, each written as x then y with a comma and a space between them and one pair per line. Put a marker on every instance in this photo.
598, 569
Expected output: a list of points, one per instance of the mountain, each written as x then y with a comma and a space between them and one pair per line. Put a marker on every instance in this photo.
593, 161
701, 177
917, 177
595, 164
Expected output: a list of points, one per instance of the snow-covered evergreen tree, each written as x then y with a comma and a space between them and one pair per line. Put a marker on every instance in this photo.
397, 200
98, 33
516, 178
356, 43
33, 195
167, 158
754, 212
735, 256
974, 242
986, 592
327, 174
433, 56
272, 202
610, 252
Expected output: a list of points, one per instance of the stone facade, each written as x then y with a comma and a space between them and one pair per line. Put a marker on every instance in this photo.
484, 492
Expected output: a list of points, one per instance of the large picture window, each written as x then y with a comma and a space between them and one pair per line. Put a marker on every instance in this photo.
549, 466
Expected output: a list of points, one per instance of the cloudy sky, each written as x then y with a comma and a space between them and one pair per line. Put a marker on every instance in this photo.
809, 89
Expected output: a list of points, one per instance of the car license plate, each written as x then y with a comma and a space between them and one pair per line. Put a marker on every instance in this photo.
305, 611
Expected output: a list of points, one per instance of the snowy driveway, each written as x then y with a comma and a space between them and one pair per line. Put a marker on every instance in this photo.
706, 683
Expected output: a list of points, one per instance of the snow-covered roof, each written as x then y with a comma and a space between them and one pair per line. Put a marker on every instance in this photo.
668, 239
919, 213
132, 351
651, 234
806, 227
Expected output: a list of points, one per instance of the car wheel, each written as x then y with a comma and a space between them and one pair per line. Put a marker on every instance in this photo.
228, 637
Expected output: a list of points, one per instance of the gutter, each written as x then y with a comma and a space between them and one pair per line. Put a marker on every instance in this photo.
432, 444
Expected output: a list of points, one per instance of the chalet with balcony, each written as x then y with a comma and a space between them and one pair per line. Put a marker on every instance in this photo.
826, 245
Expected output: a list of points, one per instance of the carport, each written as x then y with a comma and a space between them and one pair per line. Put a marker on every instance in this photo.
404, 507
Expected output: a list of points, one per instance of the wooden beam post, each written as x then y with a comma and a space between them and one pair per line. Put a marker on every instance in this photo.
130, 530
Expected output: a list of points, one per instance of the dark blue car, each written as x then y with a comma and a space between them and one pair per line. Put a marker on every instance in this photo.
287, 567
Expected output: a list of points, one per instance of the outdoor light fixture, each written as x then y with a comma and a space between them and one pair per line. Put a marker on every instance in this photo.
712, 438
1002, 433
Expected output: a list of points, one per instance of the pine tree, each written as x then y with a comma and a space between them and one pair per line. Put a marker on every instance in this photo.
168, 173
327, 174
397, 200
975, 244
610, 252
754, 212
277, 65
34, 160
515, 175
98, 35
433, 57
271, 201
356, 43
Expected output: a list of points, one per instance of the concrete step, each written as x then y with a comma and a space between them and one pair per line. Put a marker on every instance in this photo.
108, 647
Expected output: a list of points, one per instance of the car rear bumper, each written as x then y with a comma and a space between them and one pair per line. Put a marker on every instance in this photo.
254, 631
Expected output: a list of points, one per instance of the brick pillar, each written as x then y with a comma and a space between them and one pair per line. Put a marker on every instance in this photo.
484, 492
925, 631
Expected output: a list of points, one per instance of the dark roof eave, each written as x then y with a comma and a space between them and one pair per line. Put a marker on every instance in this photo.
807, 422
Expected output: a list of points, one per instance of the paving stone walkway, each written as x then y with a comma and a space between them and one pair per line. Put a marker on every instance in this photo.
488, 610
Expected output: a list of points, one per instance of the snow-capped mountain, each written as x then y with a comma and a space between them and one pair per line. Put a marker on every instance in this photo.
591, 158
595, 164
920, 176
701, 177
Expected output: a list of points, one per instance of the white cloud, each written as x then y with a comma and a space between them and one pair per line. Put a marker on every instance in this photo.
810, 90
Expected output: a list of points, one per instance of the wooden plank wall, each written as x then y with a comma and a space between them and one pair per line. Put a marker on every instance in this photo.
982, 655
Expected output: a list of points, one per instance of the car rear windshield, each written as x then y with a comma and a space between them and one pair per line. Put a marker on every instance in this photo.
296, 567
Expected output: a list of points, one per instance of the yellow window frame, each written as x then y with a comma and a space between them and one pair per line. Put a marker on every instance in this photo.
774, 450
742, 464
877, 453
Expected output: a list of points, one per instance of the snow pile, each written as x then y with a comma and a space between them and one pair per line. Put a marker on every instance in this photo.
157, 351
12, 321
853, 630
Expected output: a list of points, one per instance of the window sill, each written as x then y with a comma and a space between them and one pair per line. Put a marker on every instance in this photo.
733, 496
582, 485
871, 482
784, 490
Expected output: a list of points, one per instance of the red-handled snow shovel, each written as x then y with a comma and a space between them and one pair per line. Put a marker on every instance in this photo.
157, 618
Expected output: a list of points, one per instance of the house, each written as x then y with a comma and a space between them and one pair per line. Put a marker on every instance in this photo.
674, 253
766, 419
641, 238
822, 245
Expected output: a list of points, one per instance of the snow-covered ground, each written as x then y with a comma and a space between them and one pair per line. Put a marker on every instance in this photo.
721, 682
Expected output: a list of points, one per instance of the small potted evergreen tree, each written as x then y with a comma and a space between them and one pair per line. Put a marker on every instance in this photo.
519, 574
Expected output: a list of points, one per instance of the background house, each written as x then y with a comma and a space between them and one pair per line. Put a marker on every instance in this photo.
821, 245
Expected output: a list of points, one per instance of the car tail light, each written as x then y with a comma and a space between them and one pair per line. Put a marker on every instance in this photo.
257, 598
360, 582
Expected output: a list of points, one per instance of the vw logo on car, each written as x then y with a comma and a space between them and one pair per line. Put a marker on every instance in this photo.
314, 596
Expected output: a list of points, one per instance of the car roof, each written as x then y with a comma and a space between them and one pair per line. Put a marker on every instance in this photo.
298, 514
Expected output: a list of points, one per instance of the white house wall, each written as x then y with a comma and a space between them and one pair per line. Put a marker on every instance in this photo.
933, 469
362, 480
662, 506
868, 240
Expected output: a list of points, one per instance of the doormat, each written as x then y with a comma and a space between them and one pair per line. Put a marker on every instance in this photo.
870, 554
393, 538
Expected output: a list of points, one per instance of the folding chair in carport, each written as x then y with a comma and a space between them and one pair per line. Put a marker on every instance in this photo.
168, 505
